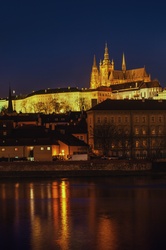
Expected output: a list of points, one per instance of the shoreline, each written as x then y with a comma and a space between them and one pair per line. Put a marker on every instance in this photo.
93, 168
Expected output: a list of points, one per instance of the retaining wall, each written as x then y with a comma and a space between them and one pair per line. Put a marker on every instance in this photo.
72, 168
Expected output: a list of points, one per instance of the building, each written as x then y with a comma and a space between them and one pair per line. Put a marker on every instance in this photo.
27, 140
136, 90
107, 75
60, 100
105, 82
128, 128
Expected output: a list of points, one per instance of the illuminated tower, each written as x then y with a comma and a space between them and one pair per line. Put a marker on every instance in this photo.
123, 63
94, 83
105, 69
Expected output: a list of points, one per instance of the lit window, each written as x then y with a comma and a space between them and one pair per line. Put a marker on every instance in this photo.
48, 148
144, 131
16, 149
3, 149
41, 148
160, 130
153, 131
136, 131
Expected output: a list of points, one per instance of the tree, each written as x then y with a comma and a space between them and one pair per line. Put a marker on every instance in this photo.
110, 139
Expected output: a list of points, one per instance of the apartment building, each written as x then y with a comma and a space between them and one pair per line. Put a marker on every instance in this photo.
128, 128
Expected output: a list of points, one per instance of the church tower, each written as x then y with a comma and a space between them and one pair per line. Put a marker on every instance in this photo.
10, 105
94, 83
123, 63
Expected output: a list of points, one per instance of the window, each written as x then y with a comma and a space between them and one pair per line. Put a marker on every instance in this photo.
143, 119
136, 119
48, 148
136, 131
126, 119
152, 119
144, 131
160, 130
153, 132
3, 149
144, 143
137, 144
42, 148
160, 119
16, 149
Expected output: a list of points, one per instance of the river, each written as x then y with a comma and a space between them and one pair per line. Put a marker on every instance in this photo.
95, 213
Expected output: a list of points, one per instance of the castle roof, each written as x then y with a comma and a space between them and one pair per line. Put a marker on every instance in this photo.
134, 85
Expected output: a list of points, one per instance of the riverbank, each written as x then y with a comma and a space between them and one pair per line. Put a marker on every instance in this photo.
78, 168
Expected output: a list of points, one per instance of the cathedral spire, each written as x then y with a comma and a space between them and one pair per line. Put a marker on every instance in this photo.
94, 61
106, 55
123, 63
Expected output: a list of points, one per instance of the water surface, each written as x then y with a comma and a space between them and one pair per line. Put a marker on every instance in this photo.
102, 213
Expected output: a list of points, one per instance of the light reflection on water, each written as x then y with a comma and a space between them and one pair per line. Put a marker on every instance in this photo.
83, 213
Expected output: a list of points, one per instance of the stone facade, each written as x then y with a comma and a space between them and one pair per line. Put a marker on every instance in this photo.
128, 128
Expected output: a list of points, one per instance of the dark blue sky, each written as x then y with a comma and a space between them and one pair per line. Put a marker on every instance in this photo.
50, 44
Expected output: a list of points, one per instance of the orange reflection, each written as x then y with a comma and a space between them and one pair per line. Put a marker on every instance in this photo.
64, 216
106, 234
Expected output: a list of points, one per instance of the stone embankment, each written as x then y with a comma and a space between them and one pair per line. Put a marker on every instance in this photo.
73, 168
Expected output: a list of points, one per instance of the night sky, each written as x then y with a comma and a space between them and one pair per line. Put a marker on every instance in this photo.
51, 44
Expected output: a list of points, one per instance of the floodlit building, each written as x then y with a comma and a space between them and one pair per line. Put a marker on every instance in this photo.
128, 128
107, 75
105, 82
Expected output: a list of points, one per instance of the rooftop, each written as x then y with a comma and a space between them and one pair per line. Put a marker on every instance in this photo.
144, 104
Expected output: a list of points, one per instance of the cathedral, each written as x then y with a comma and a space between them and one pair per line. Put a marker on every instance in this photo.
106, 75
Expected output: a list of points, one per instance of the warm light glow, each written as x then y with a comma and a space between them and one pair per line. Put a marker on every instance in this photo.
64, 218
31, 191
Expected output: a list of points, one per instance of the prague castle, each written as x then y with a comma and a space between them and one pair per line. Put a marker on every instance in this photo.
107, 75
105, 82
